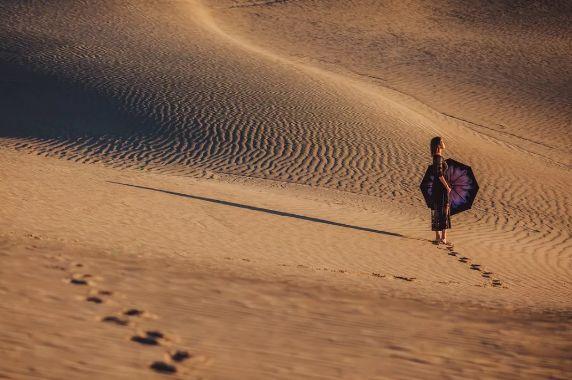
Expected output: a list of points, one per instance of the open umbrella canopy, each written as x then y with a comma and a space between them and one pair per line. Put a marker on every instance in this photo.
464, 186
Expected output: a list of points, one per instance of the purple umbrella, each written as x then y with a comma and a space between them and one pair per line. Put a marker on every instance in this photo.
464, 186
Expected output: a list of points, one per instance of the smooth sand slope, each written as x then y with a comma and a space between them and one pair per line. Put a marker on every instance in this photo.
246, 173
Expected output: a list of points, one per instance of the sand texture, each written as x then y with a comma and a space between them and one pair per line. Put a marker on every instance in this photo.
237, 181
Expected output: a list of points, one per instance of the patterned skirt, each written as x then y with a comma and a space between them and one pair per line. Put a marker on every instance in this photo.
440, 215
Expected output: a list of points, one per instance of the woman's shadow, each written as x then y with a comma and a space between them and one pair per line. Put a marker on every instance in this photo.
270, 211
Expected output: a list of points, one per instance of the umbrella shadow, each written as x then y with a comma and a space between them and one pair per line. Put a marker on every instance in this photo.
270, 211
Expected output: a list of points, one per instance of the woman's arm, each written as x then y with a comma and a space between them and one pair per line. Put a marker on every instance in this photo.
438, 162
448, 188
444, 182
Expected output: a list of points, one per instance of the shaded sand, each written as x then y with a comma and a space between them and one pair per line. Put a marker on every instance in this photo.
238, 181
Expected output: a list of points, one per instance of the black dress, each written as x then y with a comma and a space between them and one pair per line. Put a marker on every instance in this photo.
440, 214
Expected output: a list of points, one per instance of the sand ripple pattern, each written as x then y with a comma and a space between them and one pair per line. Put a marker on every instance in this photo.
217, 109
135, 84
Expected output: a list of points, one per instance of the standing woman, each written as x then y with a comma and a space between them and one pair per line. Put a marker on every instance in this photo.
440, 214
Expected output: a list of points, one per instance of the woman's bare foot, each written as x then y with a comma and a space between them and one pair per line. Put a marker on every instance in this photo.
437, 238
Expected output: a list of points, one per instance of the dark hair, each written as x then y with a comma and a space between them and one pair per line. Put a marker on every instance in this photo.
435, 142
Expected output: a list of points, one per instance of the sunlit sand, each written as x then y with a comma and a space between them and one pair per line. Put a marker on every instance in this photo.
230, 190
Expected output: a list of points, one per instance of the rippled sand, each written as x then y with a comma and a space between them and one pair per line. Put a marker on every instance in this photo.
247, 173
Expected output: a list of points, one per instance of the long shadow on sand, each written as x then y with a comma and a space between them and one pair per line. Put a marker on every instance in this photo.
269, 211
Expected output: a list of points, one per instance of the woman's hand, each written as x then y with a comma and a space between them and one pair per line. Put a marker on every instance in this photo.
445, 184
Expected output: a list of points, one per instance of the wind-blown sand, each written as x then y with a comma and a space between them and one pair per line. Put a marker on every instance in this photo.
244, 175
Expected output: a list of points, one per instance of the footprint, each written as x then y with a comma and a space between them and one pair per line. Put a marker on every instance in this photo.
377, 275
94, 299
150, 338
476, 267
409, 279
487, 274
452, 253
464, 259
163, 367
145, 340
78, 281
497, 282
180, 356
115, 320
133, 312
155, 334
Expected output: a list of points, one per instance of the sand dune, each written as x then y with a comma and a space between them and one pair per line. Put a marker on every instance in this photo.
298, 112
497, 65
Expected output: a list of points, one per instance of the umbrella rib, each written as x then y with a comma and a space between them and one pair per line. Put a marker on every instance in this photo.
454, 179
460, 196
